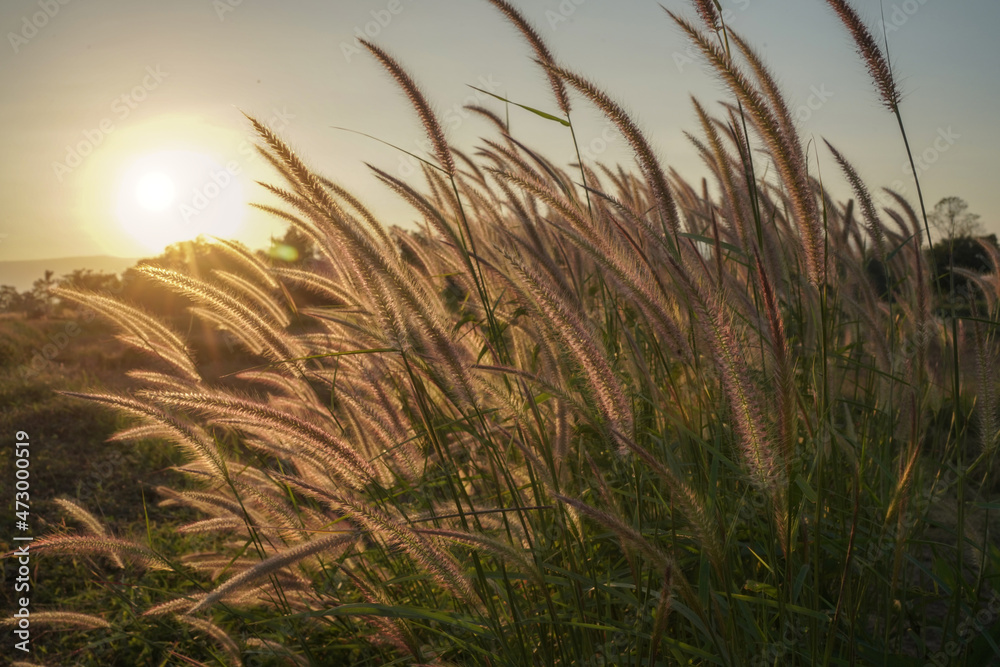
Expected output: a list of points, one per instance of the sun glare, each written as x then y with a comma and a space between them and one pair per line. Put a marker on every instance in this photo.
172, 196
155, 191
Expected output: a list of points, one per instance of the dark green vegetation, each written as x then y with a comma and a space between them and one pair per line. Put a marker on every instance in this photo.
70, 457
582, 416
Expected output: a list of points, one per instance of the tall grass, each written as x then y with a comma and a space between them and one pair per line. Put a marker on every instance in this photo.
584, 415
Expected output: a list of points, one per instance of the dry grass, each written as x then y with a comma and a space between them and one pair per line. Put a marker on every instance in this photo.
555, 426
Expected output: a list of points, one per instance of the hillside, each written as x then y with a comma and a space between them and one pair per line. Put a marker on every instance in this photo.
22, 273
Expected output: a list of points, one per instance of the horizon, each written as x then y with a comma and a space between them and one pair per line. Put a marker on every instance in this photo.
25, 272
142, 142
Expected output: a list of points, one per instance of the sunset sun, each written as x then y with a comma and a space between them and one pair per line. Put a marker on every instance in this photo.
170, 196
155, 191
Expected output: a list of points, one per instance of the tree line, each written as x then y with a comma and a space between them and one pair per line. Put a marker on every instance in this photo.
958, 249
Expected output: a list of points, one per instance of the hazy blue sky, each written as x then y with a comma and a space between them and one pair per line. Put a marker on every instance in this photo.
100, 93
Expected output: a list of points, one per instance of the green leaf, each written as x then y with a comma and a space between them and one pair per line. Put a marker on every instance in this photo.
807, 490
547, 116
382, 141
760, 587
710, 241
987, 506
395, 611
773, 604
892, 254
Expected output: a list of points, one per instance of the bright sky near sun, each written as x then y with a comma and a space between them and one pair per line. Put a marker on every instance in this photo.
122, 125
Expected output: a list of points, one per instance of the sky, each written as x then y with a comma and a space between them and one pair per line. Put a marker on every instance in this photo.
123, 126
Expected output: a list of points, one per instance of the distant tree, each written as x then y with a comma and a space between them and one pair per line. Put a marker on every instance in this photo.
194, 258
293, 248
198, 258
952, 220
963, 252
957, 246
10, 299
89, 280
41, 290
30, 304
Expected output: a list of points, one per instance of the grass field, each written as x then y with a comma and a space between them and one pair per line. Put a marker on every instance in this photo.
71, 457
583, 415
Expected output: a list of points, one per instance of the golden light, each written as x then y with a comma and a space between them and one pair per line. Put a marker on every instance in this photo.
155, 191
170, 196
170, 178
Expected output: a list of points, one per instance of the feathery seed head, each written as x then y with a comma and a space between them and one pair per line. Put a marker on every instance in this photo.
876, 61
709, 14
431, 125
542, 52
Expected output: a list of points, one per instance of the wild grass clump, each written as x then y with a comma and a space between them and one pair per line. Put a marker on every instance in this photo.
626, 422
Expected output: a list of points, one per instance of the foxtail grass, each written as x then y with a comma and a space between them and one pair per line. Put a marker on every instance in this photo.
615, 419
